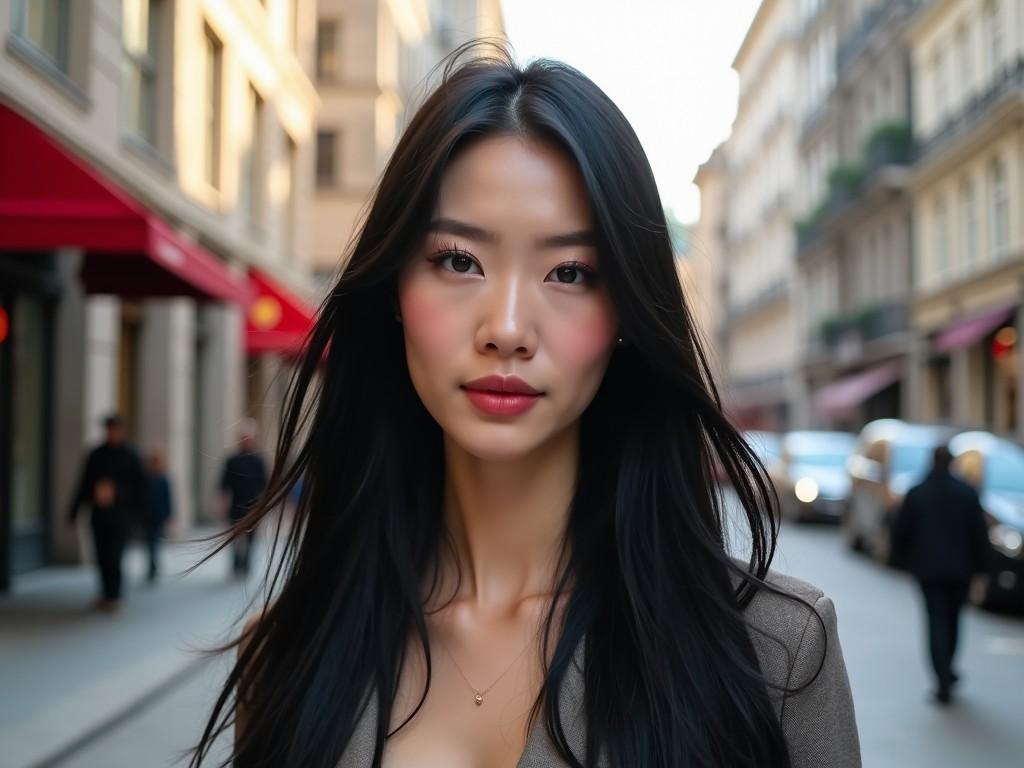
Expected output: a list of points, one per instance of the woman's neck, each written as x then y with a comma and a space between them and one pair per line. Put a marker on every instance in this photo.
507, 520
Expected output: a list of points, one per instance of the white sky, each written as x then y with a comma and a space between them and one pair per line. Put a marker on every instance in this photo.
665, 63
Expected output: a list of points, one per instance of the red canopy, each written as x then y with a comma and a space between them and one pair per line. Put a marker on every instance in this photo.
841, 397
49, 198
277, 320
971, 330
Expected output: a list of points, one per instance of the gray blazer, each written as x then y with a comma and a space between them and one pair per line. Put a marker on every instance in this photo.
818, 722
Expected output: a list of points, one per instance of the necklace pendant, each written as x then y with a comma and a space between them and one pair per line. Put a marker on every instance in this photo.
479, 699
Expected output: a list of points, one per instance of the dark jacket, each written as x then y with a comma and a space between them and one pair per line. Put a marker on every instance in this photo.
940, 534
244, 480
160, 507
119, 464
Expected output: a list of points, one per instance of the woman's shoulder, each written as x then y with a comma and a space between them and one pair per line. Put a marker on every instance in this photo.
794, 631
791, 623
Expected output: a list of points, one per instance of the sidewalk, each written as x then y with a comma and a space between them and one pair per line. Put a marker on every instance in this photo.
69, 672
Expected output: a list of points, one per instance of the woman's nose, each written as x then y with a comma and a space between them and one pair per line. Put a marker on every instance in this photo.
507, 325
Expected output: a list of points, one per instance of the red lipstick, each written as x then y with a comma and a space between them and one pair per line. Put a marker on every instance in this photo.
501, 395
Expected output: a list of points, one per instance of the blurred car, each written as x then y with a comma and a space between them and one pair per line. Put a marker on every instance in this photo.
810, 474
766, 445
995, 467
890, 457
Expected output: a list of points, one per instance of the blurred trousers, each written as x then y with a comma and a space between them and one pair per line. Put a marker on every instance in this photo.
943, 603
242, 552
109, 533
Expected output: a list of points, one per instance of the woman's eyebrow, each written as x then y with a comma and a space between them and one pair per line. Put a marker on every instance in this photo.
472, 232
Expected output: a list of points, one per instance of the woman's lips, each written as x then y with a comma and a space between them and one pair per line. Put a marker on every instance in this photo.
501, 403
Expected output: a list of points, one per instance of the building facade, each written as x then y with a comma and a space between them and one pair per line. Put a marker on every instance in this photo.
967, 188
373, 59
705, 277
759, 243
154, 210
853, 230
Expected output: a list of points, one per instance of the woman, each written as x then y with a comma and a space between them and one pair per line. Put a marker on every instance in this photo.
509, 547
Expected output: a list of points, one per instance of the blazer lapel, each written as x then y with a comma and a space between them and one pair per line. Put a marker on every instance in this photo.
540, 751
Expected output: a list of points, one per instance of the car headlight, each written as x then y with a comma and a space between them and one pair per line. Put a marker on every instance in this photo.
1007, 540
806, 489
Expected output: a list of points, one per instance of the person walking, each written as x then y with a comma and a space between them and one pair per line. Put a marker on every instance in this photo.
159, 510
941, 537
242, 482
113, 486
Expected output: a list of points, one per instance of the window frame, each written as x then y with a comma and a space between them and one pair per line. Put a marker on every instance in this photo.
19, 27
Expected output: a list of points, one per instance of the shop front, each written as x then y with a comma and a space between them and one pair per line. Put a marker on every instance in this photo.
69, 234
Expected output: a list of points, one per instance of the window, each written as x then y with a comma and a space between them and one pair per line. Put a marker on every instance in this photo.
968, 224
995, 36
939, 82
326, 50
1000, 224
250, 190
326, 159
139, 67
940, 239
963, 60
291, 197
213, 57
44, 23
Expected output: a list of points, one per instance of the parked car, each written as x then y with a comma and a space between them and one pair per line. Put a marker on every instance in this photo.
890, 457
810, 474
995, 466
767, 445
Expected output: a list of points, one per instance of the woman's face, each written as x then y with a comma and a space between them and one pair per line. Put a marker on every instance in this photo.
506, 284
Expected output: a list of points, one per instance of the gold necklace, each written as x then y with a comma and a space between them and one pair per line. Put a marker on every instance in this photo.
478, 694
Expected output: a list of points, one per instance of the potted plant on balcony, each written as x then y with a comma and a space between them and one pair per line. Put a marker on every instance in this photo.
890, 143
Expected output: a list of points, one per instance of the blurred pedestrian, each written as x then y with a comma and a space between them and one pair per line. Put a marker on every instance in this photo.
159, 510
941, 537
242, 483
113, 486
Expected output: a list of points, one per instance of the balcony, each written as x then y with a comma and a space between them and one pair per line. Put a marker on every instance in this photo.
844, 182
1009, 83
868, 32
890, 144
845, 335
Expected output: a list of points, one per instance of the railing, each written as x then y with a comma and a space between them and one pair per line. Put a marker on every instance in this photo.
866, 323
1009, 81
858, 41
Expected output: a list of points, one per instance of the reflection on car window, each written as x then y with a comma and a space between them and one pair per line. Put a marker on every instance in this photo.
1004, 470
913, 459
837, 460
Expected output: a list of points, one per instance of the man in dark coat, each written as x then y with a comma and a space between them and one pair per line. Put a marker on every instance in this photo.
941, 537
159, 511
242, 483
113, 486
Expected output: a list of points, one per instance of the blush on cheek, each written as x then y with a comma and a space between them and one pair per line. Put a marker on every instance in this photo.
428, 319
588, 340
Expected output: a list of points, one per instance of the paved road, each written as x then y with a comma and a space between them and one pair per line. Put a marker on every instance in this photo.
880, 623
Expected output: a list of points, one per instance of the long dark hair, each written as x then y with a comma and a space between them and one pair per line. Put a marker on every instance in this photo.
671, 678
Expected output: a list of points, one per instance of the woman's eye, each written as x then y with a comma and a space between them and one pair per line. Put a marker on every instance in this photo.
567, 274
460, 262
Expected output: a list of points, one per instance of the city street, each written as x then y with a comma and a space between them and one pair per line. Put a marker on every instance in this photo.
881, 632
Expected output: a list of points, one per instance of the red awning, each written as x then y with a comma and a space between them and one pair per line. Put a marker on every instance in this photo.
841, 397
49, 198
277, 320
971, 330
